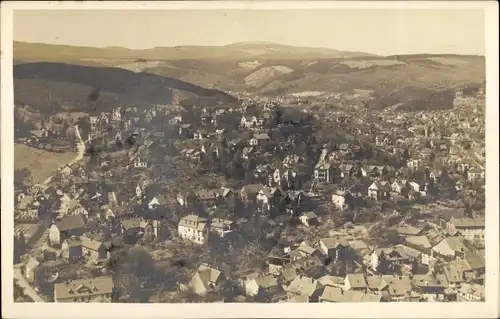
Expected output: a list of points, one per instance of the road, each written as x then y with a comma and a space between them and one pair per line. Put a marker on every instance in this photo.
81, 152
18, 276
27, 288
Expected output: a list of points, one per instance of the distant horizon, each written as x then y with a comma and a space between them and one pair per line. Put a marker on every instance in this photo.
243, 42
380, 32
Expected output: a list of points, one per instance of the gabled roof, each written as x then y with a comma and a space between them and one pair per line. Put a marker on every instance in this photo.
84, 287
302, 285
357, 280
334, 242
208, 275
266, 281
71, 223
420, 241
310, 215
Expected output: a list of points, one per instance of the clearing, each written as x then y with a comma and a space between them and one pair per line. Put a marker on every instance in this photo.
363, 64
40, 163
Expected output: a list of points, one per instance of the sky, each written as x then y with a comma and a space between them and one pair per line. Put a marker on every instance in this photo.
383, 32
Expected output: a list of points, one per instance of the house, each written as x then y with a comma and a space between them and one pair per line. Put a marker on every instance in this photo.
93, 249
206, 197
414, 186
471, 292
309, 218
29, 269
157, 202
304, 286
400, 187
347, 170
248, 122
422, 245
97, 289
334, 248
476, 261
344, 148
472, 229
450, 248
409, 230
221, 227
136, 227
266, 287
117, 114
475, 174
378, 190
36, 136
194, 229
413, 164
457, 272
338, 294
249, 192
430, 287
259, 139
72, 249
392, 258
339, 199
75, 207
356, 282
140, 162
185, 130
200, 134
372, 170
323, 172
66, 227
435, 175
206, 279
398, 288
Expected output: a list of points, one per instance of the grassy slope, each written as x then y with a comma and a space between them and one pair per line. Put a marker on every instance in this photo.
41, 164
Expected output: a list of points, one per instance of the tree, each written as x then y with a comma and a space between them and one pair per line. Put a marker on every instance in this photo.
382, 267
22, 177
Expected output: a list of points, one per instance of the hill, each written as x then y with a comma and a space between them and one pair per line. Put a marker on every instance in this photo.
411, 81
238, 51
67, 87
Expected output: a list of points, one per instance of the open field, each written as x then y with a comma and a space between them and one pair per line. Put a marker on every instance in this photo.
41, 164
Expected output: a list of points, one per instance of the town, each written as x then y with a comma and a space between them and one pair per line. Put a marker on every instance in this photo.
286, 199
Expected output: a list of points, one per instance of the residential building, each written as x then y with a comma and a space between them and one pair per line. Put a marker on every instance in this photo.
221, 227
97, 289
450, 248
356, 282
339, 199
66, 227
472, 229
304, 286
206, 280
378, 190
194, 229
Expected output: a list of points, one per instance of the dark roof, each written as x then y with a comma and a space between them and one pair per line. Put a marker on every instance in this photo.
71, 222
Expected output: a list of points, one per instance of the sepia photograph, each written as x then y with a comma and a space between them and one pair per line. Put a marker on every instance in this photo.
236, 154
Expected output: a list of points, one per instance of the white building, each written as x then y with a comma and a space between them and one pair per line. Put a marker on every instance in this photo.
471, 229
339, 200
221, 227
194, 229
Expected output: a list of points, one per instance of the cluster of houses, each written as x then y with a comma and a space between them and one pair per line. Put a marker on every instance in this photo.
436, 261
425, 267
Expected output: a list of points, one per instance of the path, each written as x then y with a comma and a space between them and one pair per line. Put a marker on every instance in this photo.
81, 152
18, 276
25, 286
